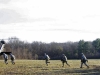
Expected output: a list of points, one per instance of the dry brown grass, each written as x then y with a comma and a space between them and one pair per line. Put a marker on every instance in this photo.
38, 67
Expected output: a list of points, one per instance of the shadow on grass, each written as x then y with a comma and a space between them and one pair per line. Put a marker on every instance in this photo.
95, 70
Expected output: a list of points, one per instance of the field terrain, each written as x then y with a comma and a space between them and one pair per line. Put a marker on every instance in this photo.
38, 67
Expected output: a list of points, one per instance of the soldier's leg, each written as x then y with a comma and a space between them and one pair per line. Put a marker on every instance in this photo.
86, 65
46, 62
67, 63
81, 64
12, 61
6, 61
63, 63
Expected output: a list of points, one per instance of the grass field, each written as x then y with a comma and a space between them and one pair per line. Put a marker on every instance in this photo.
38, 67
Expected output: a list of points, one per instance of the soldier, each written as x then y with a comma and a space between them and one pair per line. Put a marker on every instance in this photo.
5, 58
2, 46
12, 58
83, 60
47, 58
64, 60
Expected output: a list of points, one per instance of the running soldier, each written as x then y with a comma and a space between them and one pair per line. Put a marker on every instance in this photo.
83, 60
5, 58
12, 58
47, 58
64, 60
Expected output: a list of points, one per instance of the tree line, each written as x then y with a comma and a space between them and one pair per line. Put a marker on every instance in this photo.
36, 50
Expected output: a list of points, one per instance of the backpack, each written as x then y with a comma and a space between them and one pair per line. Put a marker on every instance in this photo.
63, 58
48, 57
83, 59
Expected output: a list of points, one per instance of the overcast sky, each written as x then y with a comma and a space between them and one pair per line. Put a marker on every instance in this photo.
50, 20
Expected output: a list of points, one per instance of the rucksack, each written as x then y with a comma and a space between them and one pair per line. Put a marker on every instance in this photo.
48, 57
63, 58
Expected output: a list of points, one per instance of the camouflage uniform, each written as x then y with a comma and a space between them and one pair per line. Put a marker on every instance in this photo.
12, 58
47, 58
5, 58
83, 60
64, 60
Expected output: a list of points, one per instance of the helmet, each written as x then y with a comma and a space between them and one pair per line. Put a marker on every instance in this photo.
81, 53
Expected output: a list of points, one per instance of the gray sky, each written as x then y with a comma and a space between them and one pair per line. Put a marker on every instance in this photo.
50, 20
